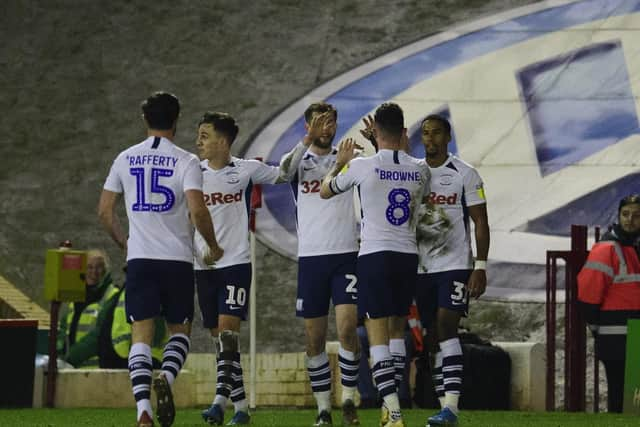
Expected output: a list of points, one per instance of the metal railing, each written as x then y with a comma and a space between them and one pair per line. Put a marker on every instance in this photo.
575, 331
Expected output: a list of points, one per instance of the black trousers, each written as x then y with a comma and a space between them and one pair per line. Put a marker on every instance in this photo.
615, 384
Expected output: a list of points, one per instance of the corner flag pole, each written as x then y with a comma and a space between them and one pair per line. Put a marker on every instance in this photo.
256, 203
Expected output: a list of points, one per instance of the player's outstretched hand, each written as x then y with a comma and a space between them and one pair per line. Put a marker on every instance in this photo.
368, 132
213, 255
477, 283
317, 127
346, 151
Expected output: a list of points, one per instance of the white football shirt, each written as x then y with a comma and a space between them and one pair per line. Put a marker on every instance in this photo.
226, 196
392, 184
154, 176
325, 227
444, 241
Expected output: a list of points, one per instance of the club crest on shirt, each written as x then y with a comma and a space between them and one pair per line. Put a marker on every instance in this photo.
446, 179
232, 177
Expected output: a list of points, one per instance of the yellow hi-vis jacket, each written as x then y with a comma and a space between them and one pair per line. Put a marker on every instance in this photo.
67, 339
121, 333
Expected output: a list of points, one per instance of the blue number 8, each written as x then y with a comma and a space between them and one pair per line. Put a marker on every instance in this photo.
402, 204
141, 205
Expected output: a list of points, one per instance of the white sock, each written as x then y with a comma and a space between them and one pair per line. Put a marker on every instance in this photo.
144, 405
379, 352
241, 406
320, 376
397, 346
348, 393
349, 366
220, 401
324, 400
451, 402
140, 367
451, 348
392, 403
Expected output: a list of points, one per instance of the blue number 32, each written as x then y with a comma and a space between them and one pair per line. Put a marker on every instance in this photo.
141, 204
399, 200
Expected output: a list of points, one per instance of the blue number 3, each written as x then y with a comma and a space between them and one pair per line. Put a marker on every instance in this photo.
141, 205
403, 204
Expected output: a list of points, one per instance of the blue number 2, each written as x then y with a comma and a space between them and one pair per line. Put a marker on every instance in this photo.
395, 204
141, 205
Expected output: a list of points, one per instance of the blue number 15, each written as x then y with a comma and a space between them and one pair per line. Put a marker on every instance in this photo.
141, 205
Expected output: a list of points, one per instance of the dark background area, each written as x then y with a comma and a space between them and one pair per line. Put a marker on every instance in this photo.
74, 72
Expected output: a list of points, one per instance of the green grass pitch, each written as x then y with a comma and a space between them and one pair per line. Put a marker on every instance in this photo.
305, 418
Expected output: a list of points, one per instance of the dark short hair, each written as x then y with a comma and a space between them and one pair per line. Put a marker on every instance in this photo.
319, 107
161, 110
390, 118
437, 117
631, 199
222, 123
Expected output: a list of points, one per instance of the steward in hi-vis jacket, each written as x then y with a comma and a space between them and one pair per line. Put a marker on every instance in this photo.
609, 293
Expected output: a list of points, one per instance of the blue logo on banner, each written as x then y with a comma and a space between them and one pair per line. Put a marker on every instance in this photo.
578, 104
575, 104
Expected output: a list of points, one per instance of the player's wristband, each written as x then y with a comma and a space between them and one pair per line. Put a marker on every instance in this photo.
480, 265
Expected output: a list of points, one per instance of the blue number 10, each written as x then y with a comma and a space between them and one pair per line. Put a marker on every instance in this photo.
141, 205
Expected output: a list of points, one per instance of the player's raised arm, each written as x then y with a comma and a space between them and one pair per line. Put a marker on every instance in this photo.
290, 161
267, 174
346, 152
203, 223
109, 219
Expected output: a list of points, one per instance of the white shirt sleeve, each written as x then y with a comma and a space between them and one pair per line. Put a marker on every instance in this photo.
290, 162
473, 188
347, 178
192, 175
113, 181
263, 173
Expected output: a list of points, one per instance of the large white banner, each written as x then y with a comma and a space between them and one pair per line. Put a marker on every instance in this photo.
542, 100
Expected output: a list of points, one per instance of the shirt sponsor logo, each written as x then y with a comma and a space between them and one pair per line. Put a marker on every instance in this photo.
441, 199
213, 199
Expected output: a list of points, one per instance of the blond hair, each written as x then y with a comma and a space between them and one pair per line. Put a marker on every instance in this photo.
99, 253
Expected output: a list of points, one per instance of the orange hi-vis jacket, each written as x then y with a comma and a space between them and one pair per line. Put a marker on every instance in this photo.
609, 293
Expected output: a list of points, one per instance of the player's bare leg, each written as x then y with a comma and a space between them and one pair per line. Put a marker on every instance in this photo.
349, 359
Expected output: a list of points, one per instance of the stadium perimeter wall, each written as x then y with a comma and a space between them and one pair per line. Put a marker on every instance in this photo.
281, 381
